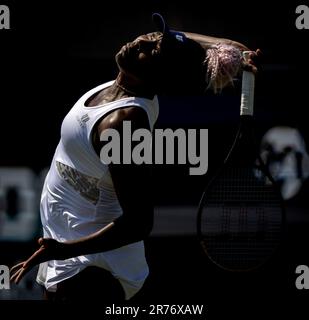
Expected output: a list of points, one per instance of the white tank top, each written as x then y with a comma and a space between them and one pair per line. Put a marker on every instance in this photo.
79, 198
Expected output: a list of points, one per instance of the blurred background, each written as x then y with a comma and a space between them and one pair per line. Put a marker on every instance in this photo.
56, 51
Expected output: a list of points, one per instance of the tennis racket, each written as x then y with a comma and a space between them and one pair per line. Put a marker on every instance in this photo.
240, 215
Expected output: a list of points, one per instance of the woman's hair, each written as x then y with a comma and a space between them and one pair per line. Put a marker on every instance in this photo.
223, 62
182, 69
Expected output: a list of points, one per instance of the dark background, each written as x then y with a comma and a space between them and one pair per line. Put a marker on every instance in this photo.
56, 51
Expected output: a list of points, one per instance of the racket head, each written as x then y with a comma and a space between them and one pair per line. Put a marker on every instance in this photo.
240, 219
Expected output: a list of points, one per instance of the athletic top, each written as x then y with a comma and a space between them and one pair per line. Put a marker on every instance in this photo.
79, 198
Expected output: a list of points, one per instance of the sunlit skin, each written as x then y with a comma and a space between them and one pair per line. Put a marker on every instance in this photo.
140, 53
147, 66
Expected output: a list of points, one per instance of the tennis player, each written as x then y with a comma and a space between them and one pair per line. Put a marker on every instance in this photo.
96, 216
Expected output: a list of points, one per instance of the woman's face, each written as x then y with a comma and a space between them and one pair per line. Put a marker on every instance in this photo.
163, 62
140, 57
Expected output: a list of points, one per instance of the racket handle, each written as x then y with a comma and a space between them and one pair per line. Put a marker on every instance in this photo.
247, 92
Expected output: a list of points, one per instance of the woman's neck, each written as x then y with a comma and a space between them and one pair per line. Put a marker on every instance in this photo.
133, 87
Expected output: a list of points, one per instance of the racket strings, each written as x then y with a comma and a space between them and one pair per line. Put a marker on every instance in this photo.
241, 219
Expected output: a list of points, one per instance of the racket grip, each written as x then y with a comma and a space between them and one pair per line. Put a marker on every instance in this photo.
247, 92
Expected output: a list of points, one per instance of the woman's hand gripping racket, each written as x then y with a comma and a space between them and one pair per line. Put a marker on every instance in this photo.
240, 214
